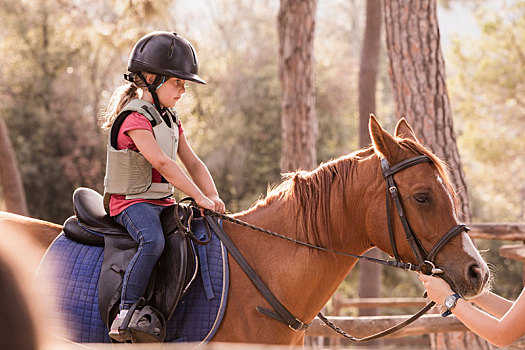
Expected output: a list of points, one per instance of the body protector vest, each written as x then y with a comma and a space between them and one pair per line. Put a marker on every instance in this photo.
128, 172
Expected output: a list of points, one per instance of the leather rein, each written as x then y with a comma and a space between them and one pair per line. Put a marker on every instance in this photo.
425, 259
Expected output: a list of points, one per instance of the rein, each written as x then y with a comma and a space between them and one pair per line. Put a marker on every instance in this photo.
392, 263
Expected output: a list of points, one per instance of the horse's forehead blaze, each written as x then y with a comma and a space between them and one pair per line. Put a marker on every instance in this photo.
442, 183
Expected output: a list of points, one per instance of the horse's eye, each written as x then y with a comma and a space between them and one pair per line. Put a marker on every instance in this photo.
422, 198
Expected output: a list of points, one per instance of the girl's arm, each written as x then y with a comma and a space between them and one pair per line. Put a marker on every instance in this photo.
171, 171
199, 173
500, 332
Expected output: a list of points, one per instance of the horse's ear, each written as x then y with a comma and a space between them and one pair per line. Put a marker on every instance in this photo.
384, 143
405, 131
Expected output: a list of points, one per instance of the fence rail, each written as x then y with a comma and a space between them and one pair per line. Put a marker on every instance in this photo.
503, 231
367, 303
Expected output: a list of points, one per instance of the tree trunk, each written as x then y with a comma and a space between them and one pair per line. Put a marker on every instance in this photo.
296, 26
10, 179
370, 274
368, 68
417, 71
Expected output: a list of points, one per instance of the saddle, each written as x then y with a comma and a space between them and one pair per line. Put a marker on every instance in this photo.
171, 277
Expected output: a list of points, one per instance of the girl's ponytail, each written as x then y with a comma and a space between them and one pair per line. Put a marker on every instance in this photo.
120, 97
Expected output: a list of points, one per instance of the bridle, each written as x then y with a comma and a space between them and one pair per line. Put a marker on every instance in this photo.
425, 260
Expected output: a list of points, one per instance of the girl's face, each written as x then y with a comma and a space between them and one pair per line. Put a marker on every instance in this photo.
171, 91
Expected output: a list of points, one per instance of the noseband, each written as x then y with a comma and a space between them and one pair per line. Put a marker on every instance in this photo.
424, 259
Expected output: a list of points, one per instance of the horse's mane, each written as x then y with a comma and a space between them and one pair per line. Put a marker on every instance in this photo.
311, 190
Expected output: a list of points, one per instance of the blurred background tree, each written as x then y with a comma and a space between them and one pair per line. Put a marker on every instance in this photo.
12, 188
296, 29
488, 86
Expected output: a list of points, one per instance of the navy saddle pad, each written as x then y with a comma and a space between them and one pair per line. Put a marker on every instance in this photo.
72, 269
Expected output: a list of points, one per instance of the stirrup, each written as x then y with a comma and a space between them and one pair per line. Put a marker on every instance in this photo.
149, 326
122, 333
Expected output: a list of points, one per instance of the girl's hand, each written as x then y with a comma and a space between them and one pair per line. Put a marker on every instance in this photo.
437, 289
204, 203
219, 204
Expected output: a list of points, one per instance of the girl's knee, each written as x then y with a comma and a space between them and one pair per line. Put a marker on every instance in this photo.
154, 246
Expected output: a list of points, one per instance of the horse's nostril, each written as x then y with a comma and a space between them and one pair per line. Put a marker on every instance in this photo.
474, 273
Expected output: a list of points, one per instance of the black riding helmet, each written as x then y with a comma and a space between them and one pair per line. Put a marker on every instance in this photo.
167, 54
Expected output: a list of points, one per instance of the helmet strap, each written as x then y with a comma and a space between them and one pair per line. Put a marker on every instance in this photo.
152, 88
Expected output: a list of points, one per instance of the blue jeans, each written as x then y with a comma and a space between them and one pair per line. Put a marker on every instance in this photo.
142, 221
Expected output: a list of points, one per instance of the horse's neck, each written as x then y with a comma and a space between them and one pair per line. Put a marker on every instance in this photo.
302, 278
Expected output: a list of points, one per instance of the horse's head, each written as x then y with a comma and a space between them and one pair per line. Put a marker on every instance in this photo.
427, 202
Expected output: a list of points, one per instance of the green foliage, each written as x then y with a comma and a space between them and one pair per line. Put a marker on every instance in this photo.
487, 93
39, 110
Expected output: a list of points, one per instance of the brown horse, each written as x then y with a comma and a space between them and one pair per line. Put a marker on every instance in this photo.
339, 205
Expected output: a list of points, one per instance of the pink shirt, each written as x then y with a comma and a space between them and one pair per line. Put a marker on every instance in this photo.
135, 121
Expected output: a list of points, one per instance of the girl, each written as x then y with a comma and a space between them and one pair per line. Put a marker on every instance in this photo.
145, 138
501, 323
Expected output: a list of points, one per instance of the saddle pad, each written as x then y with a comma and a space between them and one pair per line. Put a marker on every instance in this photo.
72, 269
